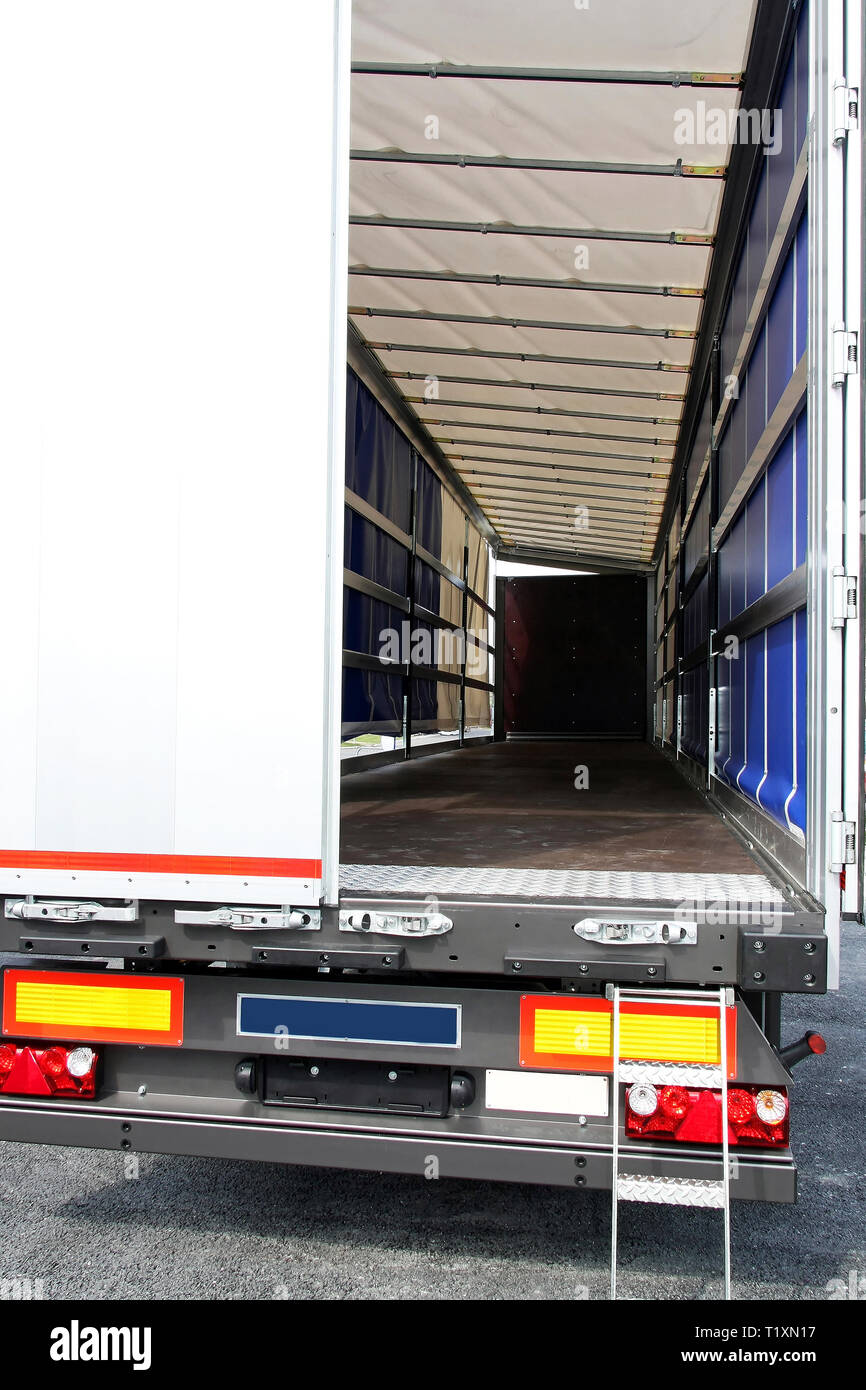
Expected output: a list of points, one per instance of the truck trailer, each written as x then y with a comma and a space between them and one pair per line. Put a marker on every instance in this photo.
431, 459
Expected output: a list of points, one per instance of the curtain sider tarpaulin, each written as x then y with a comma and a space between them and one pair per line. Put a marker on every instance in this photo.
385, 473
561, 203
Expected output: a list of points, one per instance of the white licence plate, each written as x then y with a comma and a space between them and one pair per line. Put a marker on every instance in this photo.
547, 1093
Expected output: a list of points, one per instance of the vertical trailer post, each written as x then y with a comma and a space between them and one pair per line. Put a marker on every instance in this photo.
336, 454
410, 594
713, 561
499, 663
464, 626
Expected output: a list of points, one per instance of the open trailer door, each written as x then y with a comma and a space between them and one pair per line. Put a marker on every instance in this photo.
835, 849
173, 310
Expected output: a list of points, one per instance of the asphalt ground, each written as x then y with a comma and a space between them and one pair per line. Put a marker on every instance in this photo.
186, 1228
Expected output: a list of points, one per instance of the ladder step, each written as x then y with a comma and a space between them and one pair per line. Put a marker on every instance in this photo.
674, 1192
694, 1074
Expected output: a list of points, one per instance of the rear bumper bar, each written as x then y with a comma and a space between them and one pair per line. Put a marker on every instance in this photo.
336, 1144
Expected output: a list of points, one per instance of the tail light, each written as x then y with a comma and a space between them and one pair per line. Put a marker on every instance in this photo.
30, 1070
756, 1115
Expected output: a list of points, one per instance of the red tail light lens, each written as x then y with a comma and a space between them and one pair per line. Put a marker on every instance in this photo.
30, 1070
53, 1062
741, 1106
756, 1116
674, 1102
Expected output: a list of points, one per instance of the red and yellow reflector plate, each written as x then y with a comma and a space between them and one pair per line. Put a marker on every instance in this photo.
566, 1033
93, 1008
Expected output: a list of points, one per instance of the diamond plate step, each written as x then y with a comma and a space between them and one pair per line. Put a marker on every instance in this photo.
733, 890
670, 1074
673, 1192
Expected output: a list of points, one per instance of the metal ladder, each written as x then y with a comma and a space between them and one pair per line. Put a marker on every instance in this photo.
646, 1187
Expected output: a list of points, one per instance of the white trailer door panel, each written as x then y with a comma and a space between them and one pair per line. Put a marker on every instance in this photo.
167, 310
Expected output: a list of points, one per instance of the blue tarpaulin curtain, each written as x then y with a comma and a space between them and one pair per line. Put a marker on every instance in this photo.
761, 692
384, 471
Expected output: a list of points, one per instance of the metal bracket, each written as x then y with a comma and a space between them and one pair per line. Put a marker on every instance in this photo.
844, 597
846, 110
628, 971
783, 962
100, 948
625, 933
396, 923
843, 842
252, 918
845, 355
311, 957
33, 909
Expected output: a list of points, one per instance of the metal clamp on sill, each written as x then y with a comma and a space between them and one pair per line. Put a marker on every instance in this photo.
631, 933
69, 910
396, 923
252, 918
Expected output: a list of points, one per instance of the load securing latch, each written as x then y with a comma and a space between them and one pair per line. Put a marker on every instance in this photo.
252, 918
673, 933
395, 923
69, 910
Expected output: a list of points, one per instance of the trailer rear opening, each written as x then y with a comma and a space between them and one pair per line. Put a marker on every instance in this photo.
324, 839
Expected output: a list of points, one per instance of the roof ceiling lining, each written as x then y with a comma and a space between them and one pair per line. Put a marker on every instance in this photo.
541, 321
626, 34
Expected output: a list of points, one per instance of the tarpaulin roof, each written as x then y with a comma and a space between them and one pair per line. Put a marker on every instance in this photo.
535, 192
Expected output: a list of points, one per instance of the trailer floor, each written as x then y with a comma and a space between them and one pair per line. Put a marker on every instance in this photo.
515, 805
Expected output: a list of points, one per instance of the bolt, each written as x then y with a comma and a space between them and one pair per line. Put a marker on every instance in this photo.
516, 965
809, 947
581, 1119
392, 1076
760, 945
314, 1071
809, 979
386, 960
142, 1090
758, 975
126, 1128
651, 970
584, 969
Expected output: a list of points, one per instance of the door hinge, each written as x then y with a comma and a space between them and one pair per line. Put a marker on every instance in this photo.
69, 910
846, 110
844, 353
252, 918
843, 842
844, 597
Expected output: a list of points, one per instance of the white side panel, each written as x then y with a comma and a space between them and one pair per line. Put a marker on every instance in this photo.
166, 345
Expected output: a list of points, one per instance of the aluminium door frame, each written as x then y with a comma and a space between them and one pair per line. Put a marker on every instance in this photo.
834, 728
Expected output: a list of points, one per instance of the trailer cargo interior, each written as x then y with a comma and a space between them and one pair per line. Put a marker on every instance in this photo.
454, 745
